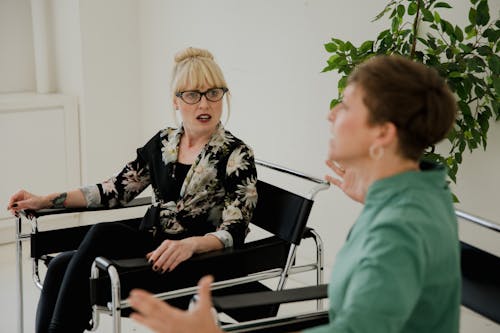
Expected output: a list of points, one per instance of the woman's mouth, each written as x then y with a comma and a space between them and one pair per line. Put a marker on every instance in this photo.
204, 117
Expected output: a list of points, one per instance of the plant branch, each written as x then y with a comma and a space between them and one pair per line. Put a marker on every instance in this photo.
415, 32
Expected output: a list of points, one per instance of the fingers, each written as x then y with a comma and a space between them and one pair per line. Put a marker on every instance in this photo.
151, 311
169, 255
13, 200
336, 168
144, 302
204, 292
334, 181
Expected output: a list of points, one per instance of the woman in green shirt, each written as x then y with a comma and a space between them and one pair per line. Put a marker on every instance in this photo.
399, 269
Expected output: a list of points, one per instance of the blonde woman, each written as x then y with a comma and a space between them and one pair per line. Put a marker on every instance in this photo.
203, 178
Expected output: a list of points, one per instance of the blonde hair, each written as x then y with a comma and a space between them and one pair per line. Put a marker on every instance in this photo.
195, 68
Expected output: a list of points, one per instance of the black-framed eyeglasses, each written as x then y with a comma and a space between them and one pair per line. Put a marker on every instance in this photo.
194, 96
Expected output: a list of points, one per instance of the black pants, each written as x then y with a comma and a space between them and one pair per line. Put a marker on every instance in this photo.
64, 304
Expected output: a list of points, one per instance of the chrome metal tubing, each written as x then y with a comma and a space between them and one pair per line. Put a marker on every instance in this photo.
289, 171
320, 263
302, 268
321, 187
477, 220
268, 323
94, 274
35, 274
19, 269
269, 274
289, 263
115, 298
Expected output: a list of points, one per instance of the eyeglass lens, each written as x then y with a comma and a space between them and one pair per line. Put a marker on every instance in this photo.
193, 97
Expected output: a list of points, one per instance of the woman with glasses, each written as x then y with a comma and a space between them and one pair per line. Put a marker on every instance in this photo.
204, 182
399, 269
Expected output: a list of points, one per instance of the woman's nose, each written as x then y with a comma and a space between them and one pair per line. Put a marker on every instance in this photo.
332, 114
203, 101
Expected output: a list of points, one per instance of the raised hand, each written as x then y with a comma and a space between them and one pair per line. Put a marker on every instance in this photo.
163, 318
349, 182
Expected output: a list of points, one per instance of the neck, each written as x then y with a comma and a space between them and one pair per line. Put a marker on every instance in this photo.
192, 139
387, 166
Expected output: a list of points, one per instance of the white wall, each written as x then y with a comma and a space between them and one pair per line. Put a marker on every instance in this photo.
115, 57
17, 62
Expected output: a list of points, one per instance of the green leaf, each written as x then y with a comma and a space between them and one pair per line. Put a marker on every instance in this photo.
464, 107
465, 48
484, 121
383, 34
327, 69
333, 59
455, 74
342, 83
496, 84
337, 41
368, 45
437, 18
484, 50
475, 64
449, 53
395, 24
428, 17
492, 35
479, 91
330, 47
483, 15
350, 46
385, 10
401, 11
423, 41
448, 28
334, 102
459, 34
412, 8
442, 5
472, 16
494, 64
393, 13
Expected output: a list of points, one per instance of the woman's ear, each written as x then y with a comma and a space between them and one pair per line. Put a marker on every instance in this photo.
388, 133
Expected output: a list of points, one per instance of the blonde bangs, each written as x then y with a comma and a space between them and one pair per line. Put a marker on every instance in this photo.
194, 74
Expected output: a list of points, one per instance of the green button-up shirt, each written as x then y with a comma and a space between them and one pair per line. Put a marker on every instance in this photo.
399, 270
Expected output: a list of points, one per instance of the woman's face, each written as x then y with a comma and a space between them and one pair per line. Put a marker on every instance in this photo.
202, 117
351, 135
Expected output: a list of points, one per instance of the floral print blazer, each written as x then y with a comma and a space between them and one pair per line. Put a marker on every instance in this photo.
217, 196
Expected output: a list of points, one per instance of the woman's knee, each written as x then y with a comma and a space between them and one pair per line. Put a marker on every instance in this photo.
57, 267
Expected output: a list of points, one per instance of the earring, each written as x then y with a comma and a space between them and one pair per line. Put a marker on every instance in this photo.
376, 152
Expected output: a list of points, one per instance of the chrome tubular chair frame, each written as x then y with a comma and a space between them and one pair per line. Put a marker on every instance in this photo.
112, 268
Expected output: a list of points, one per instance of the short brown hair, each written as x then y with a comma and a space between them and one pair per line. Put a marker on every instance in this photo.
410, 95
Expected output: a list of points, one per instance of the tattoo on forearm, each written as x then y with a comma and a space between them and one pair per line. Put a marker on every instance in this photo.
58, 202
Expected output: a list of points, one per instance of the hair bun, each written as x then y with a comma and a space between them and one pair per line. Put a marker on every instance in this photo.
192, 52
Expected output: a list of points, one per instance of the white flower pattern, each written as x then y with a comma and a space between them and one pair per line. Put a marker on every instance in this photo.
222, 179
236, 162
248, 191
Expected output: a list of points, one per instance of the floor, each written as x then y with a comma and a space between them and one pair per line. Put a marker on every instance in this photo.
470, 322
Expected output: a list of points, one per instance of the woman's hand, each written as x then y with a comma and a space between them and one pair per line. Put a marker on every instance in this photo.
163, 318
350, 183
22, 200
171, 253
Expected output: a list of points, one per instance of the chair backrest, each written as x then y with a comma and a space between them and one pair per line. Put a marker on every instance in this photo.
480, 281
281, 212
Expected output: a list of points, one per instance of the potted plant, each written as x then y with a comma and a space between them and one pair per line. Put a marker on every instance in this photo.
467, 57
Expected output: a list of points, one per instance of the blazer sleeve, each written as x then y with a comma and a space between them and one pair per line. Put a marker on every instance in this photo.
241, 193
